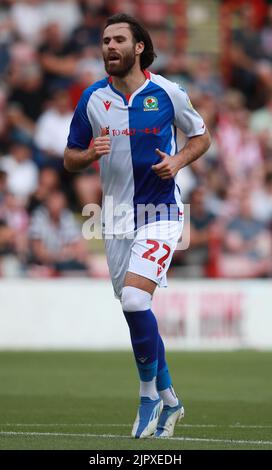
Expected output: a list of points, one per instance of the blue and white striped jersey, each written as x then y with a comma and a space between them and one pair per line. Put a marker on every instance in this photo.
137, 125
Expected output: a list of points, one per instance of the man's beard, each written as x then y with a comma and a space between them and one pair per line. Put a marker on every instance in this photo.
122, 68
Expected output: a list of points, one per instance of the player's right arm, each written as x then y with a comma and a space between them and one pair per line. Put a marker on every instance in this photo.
79, 154
76, 159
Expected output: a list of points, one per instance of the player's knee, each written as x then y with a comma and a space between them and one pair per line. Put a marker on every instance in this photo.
135, 300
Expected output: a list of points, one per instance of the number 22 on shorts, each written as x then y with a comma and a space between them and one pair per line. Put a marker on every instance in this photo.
155, 247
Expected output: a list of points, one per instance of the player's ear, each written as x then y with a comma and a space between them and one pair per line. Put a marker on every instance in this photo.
139, 47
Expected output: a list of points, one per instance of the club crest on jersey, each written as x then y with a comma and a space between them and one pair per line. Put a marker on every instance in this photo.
107, 104
151, 103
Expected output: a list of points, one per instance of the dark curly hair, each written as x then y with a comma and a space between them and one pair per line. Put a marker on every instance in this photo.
139, 34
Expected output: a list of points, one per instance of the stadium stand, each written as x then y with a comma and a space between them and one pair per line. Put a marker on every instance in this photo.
49, 52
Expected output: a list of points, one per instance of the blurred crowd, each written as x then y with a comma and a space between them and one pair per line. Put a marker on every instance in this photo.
49, 53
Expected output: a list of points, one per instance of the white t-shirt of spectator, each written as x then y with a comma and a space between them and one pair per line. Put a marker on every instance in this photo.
22, 179
65, 13
52, 131
29, 20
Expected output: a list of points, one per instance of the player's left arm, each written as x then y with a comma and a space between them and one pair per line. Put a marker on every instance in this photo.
193, 149
191, 123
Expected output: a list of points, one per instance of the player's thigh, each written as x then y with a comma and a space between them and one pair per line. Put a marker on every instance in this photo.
141, 282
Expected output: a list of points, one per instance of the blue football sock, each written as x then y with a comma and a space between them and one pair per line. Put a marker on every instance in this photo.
163, 376
144, 338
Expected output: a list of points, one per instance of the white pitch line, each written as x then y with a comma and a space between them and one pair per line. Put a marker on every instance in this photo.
114, 436
107, 425
232, 426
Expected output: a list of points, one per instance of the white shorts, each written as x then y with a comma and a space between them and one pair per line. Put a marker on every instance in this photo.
148, 254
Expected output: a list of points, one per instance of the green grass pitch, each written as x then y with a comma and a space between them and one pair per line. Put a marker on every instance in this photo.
88, 400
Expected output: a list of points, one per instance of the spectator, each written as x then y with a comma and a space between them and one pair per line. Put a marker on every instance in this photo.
201, 223
88, 70
87, 189
55, 238
7, 238
19, 126
239, 149
56, 57
247, 250
176, 67
53, 127
204, 77
22, 173
13, 213
223, 201
65, 12
22, 55
161, 39
261, 201
28, 18
49, 181
88, 33
261, 124
28, 93
13, 235
245, 51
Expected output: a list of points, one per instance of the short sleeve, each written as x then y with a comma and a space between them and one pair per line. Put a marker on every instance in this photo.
187, 119
81, 132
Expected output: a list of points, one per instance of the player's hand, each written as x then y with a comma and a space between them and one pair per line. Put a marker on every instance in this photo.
101, 145
167, 168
